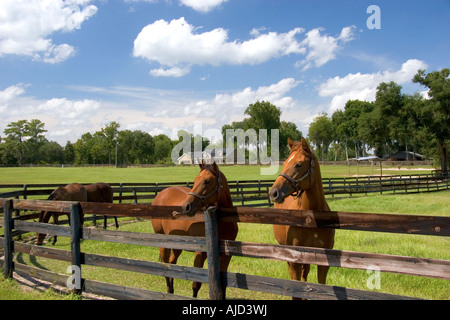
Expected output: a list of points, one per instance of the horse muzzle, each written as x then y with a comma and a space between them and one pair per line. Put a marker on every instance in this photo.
277, 195
190, 206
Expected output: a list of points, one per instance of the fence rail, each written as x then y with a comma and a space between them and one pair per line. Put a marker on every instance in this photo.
438, 226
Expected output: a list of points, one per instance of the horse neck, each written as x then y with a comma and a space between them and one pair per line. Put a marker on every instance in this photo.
314, 197
224, 200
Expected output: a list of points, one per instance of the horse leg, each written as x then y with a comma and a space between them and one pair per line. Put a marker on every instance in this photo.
305, 271
322, 272
224, 262
164, 256
295, 270
173, 260
297, 273
199, 261
117, 223
55, 221
43, 218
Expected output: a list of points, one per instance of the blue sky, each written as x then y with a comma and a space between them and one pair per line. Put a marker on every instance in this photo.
161, 65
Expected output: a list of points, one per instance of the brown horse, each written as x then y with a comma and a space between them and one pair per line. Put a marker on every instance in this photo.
299, 186
210, 188
96, 192
70, 192
101, 192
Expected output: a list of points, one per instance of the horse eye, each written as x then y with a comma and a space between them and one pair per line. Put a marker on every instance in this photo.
206, 181
298, 165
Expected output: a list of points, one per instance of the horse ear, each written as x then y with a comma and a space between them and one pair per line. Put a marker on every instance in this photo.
201, 164
305, 146
215, 167
290, 143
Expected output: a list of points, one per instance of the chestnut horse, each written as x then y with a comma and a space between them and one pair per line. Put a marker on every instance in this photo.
70, 192
96, 192
101, 192
210, 188
299, 186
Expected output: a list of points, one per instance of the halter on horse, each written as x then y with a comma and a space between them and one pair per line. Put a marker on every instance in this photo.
296, 183
216, 189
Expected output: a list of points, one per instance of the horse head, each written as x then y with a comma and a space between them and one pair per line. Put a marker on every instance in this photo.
206, 189
297, 173
58, 194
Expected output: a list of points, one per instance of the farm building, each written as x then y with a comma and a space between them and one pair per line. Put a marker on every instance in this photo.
405, 156
221, 155
194, 157
217, 155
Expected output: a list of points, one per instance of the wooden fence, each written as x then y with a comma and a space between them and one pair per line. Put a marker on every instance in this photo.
425, 225
254, 193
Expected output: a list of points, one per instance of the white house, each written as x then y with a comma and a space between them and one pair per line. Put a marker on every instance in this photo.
194, 157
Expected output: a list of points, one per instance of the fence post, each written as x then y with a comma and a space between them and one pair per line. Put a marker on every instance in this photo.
212, 251
120, 192
8, 225
75, 246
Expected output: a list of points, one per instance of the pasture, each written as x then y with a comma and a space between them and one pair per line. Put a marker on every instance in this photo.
25, 175
407, 245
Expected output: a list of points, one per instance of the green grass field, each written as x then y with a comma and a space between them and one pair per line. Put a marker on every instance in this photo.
435, 204
170, 174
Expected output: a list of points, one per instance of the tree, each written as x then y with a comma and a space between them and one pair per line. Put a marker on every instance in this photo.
321, 133
15, 135
110, 133
82, 149
354, 111
135, 146
436, 113
382, 125
263, 115
51, 152
24, 139
288, 130
69, 153
340, 137
34, 130
163, 146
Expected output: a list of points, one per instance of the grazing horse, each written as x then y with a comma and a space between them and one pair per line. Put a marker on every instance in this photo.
101, 192
70, 192
299, 186
210, 188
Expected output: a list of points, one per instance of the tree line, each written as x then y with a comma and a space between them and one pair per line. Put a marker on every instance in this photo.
393, 122
24, 143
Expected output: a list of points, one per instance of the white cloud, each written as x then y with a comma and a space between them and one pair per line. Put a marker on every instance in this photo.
64, 119
177, 45
226, 105
202, 5
363, 86
26, 27
171, 72
138, 108
10, 93
323, 48
69, 112
151, 110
